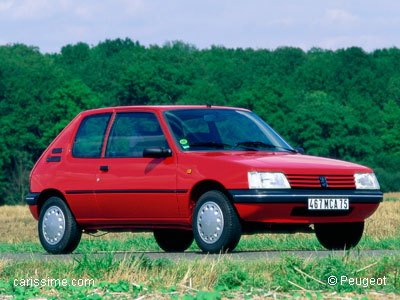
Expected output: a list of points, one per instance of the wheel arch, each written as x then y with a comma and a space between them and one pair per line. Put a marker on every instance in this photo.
207, 185
46, 194
230, 236
204, 186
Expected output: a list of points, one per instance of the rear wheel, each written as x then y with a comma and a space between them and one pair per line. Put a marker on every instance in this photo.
58, 231
339, 236
216, 225
173, 240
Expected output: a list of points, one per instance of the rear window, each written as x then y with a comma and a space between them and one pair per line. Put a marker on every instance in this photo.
89, 139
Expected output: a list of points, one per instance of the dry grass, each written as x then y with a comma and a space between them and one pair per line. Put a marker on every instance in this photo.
201, 274
3, 263
392, 196
17, 224
385, 222
190, 277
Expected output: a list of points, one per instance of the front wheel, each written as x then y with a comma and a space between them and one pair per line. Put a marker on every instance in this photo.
173, 240
216, 225
339, 236
58, 231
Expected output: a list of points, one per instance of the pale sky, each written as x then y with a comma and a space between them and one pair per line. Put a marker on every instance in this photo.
51, 24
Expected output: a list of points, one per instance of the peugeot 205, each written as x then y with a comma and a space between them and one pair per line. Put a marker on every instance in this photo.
192, 172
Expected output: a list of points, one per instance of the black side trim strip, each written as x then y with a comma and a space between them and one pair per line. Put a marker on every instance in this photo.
301, 196
128, 192
32, 198
57, 150
53, 159
80, 192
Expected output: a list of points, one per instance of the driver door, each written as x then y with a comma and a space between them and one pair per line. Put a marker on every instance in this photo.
130, 186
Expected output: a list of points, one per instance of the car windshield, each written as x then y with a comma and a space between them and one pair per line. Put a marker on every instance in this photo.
222, 130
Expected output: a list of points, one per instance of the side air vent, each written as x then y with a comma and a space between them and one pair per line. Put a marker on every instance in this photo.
53, 159
57, 150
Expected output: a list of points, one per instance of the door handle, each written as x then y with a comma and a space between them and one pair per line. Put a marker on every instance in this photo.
104, 168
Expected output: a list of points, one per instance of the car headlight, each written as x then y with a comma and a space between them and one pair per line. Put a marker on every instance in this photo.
366, 181
267, 180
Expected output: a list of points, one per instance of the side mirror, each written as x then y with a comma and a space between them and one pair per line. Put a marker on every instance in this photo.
299, 150
157, 152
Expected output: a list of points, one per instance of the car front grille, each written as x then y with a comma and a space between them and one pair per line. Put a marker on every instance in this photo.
321, 181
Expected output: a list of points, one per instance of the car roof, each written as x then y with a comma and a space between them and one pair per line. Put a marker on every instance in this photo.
155, 108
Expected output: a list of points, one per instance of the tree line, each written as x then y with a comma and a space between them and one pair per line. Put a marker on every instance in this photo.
342, 104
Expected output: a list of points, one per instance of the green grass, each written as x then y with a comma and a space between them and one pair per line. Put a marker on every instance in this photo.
392, 199
259, 242
135, 277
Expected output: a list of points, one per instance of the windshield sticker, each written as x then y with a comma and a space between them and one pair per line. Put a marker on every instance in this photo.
183, 142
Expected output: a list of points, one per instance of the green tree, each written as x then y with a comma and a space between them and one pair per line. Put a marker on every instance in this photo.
342, 104
67, 101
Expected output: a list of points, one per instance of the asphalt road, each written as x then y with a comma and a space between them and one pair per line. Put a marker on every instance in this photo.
191, 256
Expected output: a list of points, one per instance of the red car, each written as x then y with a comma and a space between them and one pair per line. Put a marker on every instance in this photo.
184, 172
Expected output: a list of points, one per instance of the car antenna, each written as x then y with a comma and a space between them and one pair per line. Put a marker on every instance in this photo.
208, 105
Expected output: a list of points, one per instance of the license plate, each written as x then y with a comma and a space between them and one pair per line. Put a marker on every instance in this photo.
328, 203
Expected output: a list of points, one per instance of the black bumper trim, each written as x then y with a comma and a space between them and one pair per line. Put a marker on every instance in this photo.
301, 196
32, 198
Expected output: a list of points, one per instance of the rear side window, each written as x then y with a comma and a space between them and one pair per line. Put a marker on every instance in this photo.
132, 132
89, 139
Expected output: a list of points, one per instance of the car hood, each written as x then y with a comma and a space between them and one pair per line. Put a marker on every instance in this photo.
288, 163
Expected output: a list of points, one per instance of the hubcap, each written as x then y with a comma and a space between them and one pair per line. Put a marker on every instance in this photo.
210, 222
53, 226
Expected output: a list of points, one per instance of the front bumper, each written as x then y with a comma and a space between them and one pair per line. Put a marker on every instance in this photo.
291, 206
32, 198
301, 196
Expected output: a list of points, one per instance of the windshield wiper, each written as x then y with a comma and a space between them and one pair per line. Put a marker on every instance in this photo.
210, 144
257, 144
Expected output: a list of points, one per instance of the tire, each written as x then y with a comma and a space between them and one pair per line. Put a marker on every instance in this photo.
173, 240
58, 231
222, 232
339, 236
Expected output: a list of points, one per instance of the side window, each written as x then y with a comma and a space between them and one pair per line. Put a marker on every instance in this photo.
132, 132
90, 136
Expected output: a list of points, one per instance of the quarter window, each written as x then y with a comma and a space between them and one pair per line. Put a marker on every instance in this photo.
89, 139
132, 132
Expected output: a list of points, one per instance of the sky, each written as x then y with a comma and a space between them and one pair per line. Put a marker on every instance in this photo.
52, 24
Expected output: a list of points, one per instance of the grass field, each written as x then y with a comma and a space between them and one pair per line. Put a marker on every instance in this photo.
289, 277
143, 278
18, 233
